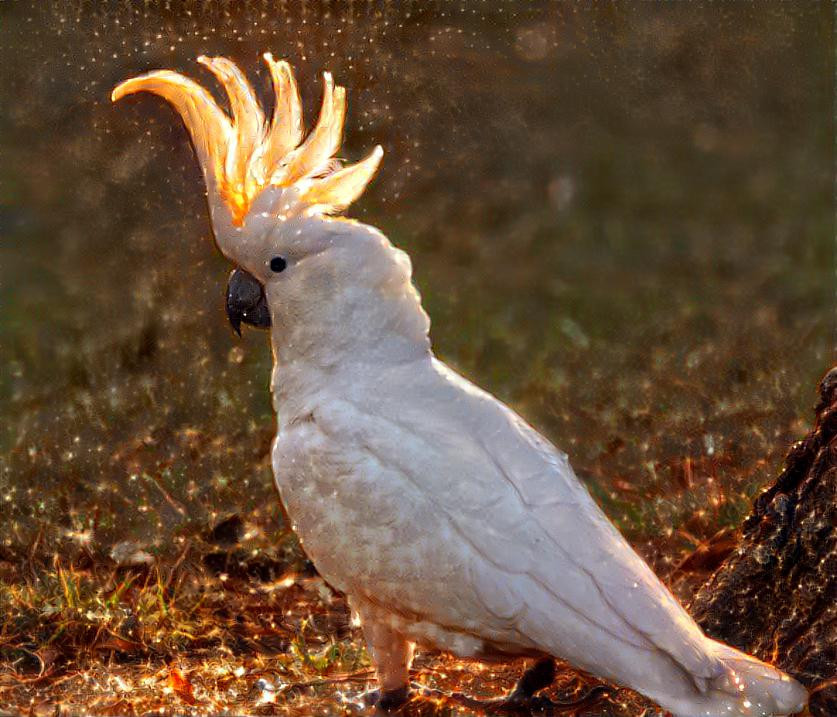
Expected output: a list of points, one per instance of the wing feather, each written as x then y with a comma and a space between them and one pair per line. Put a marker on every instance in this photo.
538, 544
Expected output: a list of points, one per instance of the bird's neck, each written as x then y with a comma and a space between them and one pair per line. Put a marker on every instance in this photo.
346, 342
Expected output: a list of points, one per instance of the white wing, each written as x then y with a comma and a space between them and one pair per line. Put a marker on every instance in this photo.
533, 559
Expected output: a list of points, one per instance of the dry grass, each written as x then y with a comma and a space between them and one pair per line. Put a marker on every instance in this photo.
82, 638
234, 623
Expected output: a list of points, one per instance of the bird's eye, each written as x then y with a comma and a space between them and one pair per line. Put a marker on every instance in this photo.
278, 263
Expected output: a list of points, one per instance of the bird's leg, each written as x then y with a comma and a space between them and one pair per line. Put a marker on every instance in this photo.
522, 697
536, 678
522, 700
391, 655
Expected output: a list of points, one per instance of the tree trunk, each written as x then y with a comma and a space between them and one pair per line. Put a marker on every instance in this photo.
776, 595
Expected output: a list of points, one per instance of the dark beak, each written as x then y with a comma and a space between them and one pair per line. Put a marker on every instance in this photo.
246, 302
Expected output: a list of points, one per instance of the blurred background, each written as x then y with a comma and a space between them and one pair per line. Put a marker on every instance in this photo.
620, 217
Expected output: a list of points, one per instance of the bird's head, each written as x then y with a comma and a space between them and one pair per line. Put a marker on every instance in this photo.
270, 193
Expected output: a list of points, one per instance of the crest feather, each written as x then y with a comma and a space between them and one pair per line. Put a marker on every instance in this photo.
339, 189
324, 141
209, 127
286, 126
244, 154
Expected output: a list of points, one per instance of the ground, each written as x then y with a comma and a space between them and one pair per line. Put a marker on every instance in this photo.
227, 627
621, 223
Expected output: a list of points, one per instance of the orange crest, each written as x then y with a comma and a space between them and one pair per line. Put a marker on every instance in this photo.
246, 153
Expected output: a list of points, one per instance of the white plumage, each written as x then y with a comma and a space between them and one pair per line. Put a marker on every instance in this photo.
445, 518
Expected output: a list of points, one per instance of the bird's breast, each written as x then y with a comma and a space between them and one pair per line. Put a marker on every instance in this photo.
363, 522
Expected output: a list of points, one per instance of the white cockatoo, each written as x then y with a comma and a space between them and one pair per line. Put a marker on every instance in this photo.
444, 517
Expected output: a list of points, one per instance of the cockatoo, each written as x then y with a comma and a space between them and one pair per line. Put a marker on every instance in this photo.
444, 517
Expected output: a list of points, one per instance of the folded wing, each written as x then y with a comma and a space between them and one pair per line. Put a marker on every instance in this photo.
543, 562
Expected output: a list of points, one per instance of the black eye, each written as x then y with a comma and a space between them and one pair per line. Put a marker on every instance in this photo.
278, 263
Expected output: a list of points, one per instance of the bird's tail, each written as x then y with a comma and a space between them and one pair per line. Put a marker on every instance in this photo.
748, 687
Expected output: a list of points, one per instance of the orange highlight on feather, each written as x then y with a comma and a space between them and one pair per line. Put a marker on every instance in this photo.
243, 154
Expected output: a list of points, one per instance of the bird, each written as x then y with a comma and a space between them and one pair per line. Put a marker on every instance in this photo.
446, 519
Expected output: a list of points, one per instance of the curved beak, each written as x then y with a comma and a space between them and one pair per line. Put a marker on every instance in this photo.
246, 302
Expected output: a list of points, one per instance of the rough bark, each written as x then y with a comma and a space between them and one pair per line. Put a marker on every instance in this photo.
776, 595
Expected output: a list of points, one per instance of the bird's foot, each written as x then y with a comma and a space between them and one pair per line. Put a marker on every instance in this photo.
538, 677
522, 700
541, 706
387, 701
